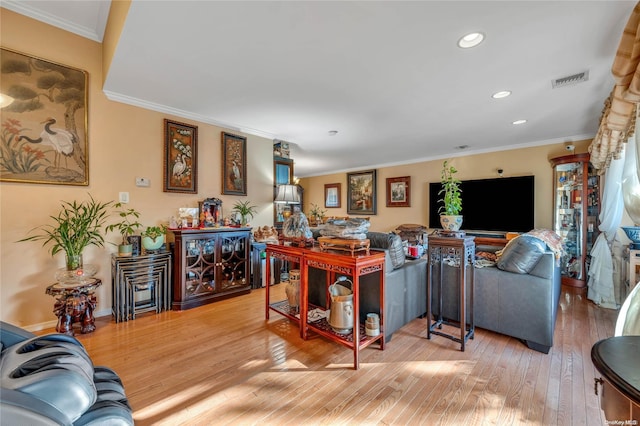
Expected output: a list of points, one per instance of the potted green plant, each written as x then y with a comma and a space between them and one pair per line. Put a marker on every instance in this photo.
76, 226
126, 226
153, 237
451, 200
244, 209
317, 213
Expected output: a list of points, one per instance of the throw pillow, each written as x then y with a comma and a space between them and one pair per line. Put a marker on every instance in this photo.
396, 251
521, 254
379, 240
390, 242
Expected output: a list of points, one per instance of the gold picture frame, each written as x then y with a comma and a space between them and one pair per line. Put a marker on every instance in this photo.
234, 164
42, 94
180, 157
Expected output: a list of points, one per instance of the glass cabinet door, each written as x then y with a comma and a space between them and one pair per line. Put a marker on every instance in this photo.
575, 214
233, 261
568, 217
200, 267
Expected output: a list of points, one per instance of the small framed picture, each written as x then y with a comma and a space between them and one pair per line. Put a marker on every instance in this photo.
332, 195
361, 192
399, 191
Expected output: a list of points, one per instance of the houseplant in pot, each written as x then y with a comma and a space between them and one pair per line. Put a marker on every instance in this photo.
126, 226
451, 200
244, 209
153, 237
317, 213
76, 226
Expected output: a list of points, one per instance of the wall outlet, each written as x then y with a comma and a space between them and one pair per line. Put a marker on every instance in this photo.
123, 197
140, 181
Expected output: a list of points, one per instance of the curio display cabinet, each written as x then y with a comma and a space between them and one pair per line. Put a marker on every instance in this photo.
576, 206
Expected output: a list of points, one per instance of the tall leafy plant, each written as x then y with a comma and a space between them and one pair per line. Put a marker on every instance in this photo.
77, 226
451, 193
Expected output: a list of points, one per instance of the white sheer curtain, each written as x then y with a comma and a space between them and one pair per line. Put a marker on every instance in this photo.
601, 286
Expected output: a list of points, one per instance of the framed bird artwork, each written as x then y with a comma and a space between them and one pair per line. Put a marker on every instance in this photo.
180, 157
44, 121
234, 164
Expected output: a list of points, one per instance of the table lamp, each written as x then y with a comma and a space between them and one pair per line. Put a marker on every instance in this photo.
287, 194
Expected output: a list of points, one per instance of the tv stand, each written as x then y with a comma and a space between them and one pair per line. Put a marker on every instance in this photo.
489, 238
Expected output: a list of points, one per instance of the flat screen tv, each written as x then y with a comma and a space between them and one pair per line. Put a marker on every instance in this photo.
502, 204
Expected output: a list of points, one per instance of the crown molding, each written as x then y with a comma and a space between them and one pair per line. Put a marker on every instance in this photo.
93, 33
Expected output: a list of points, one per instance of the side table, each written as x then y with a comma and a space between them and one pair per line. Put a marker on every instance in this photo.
140, 284
458, 253
75, 302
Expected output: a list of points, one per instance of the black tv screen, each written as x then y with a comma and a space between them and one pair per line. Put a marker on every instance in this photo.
501, 204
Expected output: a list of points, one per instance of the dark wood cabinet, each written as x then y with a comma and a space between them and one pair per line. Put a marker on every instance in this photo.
209, 265
576, 206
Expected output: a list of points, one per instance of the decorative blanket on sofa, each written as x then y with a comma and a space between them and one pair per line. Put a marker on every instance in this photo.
522, 253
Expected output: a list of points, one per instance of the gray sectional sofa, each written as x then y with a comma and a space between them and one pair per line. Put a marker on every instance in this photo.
519, 297
405, 297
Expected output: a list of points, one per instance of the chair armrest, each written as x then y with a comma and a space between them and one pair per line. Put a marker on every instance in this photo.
10, 334
19, 408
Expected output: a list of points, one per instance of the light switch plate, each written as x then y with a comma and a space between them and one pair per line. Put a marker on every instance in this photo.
123, 197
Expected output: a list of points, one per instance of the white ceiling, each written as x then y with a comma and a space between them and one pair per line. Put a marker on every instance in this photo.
387, 75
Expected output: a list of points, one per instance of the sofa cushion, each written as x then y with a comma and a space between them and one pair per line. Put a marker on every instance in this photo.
396, 251
521, 254
390, 242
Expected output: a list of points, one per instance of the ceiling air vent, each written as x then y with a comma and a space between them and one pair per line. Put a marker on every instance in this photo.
570, 79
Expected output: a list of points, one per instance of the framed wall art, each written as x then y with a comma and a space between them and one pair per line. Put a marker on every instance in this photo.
361, 192
399, 191
234, 164
332, 195
44, 121
180, 157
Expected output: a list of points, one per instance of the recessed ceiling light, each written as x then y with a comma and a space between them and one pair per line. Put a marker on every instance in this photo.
333, 132
519, 122
501, 94
470, 40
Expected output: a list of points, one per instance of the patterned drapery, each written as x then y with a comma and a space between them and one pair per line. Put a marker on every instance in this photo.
617, 123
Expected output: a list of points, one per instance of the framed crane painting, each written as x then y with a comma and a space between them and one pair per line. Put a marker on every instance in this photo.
180, 157
234, 164
44, 121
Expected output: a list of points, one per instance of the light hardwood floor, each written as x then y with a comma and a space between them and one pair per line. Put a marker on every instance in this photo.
224, 364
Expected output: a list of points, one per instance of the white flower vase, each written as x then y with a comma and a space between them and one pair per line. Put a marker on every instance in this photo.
451, 223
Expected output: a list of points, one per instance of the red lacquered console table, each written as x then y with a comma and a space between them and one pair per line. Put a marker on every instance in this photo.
353, 266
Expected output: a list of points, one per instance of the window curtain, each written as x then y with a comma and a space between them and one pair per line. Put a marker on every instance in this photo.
616, 134
603, 289
617, 122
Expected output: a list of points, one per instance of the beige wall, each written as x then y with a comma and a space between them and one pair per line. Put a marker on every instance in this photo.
124, 142
519, 162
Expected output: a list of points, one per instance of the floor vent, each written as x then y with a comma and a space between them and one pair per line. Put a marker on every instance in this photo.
569, 80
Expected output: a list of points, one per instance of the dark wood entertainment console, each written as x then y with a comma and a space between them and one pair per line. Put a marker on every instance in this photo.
495, 239
490, 241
